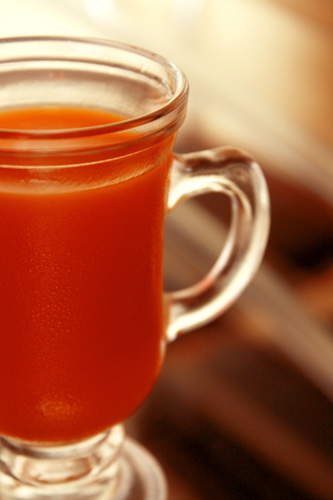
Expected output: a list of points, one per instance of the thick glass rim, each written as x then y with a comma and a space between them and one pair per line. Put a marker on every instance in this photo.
176, 103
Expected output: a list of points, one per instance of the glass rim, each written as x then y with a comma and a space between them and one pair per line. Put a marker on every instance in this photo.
176, 102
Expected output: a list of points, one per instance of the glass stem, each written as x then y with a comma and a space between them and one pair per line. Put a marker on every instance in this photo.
81, 470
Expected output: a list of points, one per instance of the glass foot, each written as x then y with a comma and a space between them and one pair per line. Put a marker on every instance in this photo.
141, 475
105, 467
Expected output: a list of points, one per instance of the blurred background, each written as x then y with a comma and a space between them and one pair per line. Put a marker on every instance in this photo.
243, 407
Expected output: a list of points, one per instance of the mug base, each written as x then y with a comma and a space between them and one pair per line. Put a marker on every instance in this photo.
106, 467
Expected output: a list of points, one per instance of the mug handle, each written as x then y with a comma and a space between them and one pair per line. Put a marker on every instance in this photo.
233, 173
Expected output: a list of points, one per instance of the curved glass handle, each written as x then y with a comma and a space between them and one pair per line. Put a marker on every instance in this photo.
233, 173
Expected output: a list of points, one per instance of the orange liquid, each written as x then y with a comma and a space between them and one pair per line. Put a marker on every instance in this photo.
81, 316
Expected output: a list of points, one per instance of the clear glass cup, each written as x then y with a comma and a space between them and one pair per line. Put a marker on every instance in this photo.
85, 320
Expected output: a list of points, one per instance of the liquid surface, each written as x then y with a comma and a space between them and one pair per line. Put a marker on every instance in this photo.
81, 317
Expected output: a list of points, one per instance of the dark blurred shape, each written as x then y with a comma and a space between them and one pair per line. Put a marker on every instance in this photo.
240, 422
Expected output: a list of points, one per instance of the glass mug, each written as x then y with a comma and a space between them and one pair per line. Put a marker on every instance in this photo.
87, 175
